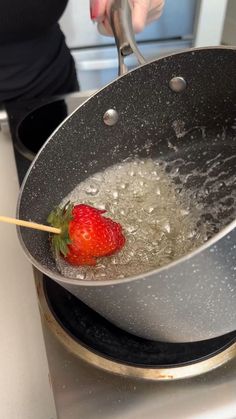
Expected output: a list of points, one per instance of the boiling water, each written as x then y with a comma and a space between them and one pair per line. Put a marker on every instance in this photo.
159, 224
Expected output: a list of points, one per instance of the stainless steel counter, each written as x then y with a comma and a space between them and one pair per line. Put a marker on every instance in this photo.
84, 392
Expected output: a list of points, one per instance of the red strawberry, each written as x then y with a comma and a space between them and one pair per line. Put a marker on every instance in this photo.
85, 234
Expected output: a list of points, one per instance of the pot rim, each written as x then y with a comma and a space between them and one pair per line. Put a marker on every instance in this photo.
73, 281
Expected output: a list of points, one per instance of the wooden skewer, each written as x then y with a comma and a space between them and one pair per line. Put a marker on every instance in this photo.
30, 224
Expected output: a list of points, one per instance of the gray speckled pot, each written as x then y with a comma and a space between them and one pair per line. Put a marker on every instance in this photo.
193, 298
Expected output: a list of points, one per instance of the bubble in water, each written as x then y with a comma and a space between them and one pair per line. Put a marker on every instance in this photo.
184, 212
132, 229
100, 275
92, 190
80, 276
191, 234
101, 206
158, 222
166, 226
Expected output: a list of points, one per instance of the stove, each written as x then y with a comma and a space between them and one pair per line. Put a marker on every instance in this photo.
97, 370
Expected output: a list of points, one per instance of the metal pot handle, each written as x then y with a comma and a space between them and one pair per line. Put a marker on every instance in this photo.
121, 23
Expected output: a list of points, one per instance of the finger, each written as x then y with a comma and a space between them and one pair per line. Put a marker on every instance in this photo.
139, 14
155, 12
104, 28
98, 10
153, 16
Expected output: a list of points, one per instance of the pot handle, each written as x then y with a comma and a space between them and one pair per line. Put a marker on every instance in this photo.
121, 23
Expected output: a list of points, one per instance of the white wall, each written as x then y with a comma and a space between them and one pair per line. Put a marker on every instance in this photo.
229, 34
210, 22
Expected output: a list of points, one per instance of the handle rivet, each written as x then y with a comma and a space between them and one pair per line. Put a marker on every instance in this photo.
177, 84
110, 117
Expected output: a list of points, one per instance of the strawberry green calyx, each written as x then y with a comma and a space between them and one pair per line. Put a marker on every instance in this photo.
60, 218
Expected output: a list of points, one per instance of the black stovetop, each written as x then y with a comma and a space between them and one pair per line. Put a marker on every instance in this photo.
99, 335
31, 123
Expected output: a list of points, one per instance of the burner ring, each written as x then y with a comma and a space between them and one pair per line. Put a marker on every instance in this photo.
121, 368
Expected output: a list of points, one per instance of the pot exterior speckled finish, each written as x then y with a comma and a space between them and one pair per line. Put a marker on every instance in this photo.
193, 299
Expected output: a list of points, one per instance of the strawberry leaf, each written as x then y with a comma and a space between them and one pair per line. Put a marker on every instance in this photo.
60, 218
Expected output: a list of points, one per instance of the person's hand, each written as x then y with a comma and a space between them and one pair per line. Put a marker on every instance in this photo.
143, 13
